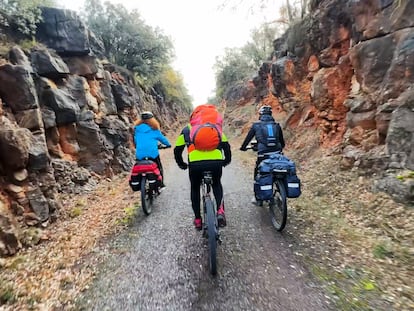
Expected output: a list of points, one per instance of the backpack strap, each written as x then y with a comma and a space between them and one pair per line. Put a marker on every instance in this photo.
186, 134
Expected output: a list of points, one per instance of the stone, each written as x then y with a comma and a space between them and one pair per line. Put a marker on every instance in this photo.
17, 88
38, 204
48, 117
38, 153
63, 31
30, 119
48, 64
14, 145
85, 66
63, 104
366, 120
31, 219
18, 57
20, 175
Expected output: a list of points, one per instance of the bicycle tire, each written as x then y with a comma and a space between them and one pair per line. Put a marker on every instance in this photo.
146, 199
212, 236
278, 207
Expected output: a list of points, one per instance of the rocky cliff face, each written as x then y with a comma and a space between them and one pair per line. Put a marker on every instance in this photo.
65, 121
348, 70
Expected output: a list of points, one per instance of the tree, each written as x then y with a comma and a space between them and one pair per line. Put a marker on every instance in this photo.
127, 40
171, 87
240, 64
235, 66
260, 46
24, 15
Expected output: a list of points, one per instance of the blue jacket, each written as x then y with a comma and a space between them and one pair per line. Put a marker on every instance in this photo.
146, 141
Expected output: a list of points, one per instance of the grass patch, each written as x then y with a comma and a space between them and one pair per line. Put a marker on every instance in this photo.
7, 295
75, 212
382, 251
351, 297
130, 214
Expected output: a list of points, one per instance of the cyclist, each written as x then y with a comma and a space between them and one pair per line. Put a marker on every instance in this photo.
198, 162
268, 134
147, 134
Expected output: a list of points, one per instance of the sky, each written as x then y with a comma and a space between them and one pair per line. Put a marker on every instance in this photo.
200, 32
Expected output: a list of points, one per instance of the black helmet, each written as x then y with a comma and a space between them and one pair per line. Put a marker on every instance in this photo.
265, 110
146, 115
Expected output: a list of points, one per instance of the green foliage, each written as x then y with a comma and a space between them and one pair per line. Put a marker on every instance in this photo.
28, 44
130, 214
24, 15
233, 67
240, 64
261, 45
75, 212
406, 175
381, 251
171, 87
127, 40
7, 295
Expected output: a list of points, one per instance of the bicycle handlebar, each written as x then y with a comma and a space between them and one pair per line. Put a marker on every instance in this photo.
163, 147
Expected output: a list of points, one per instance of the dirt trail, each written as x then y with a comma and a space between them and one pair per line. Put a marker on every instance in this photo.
160, 262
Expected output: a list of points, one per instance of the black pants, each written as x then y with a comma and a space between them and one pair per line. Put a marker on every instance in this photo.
195, 172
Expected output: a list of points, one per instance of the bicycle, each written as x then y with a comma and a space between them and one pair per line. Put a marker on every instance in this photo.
211, 228
278, 202
149, 184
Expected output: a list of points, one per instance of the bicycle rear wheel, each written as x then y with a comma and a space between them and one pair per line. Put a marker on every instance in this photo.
146, 196
212, 236
278, 208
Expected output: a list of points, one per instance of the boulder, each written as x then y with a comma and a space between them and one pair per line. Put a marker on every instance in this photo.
48, 118
115, 131
85, 66
15, 144
18, 57
400, 138
38, 153
38, 204
30, 119
384, 66
377, 18
17, 88
63, 31
68, 139
63, 104
47, 64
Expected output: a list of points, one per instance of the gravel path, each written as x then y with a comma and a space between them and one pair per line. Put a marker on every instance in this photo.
160, 263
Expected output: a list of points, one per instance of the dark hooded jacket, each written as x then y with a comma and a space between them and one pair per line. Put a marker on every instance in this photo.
258, 130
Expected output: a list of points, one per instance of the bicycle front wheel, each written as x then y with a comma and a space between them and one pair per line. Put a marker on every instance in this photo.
278, 208
146, 196
212, 236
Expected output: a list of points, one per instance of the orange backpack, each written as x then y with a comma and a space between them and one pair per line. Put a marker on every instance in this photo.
206, 128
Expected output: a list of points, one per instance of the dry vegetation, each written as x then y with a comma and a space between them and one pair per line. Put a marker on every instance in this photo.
52, 274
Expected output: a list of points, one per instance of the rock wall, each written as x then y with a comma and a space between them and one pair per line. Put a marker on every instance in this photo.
65, 121
348, 69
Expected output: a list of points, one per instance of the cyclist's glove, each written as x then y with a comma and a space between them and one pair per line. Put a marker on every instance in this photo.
225, 163
183, 166
243, 149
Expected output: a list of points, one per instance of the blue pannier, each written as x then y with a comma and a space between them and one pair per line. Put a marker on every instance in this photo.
263, 187
278, 163
293, 186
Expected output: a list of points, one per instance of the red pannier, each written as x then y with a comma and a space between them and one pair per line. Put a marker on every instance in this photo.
148, 167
